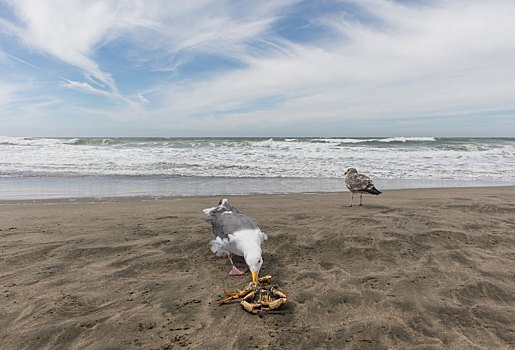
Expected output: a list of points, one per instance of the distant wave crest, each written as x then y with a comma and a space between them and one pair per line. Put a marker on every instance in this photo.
387, 139
296, 157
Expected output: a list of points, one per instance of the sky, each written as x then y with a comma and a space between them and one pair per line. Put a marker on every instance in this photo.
257, 68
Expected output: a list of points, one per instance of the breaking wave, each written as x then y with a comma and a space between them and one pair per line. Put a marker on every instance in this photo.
294, 157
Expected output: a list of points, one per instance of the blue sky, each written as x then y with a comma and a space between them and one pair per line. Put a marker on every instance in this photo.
257, 68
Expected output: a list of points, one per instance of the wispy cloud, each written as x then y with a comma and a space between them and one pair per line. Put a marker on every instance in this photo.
85, 87
19, 60
411, 60
227, 64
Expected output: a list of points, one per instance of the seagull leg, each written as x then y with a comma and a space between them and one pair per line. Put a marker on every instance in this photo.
360, 199
351, 199
235, 271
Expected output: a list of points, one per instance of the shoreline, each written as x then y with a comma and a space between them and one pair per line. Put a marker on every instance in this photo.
22, 188
429, 268
143, 198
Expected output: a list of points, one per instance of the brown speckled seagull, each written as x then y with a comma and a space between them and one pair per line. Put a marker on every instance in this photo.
359, 183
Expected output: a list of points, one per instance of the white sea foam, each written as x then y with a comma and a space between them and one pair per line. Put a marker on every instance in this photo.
406, 139
381, 158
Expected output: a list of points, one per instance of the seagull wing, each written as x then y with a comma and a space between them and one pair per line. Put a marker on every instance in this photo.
359, 182
226, 223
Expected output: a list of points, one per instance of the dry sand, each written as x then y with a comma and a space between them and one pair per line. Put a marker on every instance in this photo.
417, 269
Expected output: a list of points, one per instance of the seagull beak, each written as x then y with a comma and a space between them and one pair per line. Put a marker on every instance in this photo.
254, 275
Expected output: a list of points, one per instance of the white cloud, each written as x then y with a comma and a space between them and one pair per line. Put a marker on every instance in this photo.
67, 30
391, 60
414, 61
72, 30
85, 87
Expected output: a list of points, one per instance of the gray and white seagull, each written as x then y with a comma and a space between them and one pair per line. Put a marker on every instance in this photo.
359, 183
236, 233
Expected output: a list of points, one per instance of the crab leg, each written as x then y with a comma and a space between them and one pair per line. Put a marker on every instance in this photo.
226, 300
232, 296
273, 304
238, 292
279, 293
265, 278
250, 307
249, 296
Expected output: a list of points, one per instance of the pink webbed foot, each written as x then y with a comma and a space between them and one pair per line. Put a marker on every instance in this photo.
237, 272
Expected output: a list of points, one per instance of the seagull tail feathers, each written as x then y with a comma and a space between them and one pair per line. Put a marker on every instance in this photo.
374, 190
217, 246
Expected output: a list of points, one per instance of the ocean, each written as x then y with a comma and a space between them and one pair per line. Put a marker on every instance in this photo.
34, 168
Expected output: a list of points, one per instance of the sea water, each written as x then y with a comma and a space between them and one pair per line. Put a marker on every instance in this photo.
33, 168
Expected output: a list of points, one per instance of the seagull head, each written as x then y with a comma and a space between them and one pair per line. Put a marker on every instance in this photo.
350, 171
254, 261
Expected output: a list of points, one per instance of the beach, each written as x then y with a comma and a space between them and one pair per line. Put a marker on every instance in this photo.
417, 269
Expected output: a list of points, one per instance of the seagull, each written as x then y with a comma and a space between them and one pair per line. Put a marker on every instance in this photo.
359, 183
237, 234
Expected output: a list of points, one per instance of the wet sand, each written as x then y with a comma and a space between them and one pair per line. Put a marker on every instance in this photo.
417, 269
